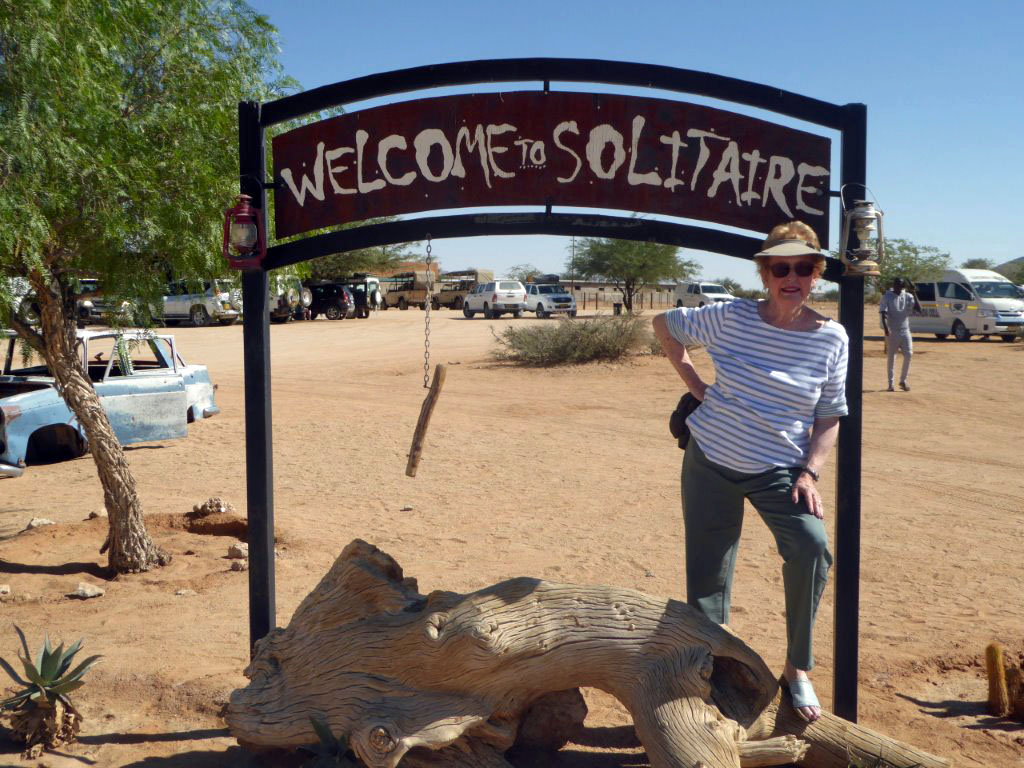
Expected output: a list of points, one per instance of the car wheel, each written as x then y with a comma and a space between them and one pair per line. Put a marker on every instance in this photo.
941, 336
572, 313
467, 312
199, 317
333, 312
228, 321
435, 303
487, 312
403, 304
960, 332
541, 314
1009, 338
313, 315
458, 303
517, 313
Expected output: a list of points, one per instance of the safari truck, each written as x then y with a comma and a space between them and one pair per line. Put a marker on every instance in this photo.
404, 290
454, 286
966, 302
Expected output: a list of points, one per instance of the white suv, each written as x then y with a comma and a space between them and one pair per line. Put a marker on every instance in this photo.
549, 299
495, 298
202, 303
699, 294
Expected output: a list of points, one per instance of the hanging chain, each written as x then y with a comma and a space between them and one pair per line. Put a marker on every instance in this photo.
426, 318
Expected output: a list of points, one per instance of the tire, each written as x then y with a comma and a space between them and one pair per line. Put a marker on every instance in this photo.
403, 304
960, 332
467, 312
363, 313
435, 304
941, 336
487, 312
313, 315
333, 312
1009, 338
199, 316
458, 303
541, 314
572, 313
517, 313
228, 321
679, 303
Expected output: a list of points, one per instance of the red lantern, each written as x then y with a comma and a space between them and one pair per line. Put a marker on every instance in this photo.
244, 232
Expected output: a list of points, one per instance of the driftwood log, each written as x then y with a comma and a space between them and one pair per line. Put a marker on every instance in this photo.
445, 679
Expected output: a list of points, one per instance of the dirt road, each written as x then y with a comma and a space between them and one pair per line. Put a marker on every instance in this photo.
568, 474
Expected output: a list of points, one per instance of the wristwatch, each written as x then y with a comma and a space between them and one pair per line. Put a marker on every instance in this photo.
814, 475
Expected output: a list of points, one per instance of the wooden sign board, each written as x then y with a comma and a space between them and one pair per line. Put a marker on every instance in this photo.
560, 149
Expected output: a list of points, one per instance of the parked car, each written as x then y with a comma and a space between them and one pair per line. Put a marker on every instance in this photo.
147, 390
287, 297
333, 300
547, 299
963, 302
202, 302
453, 287
408, 289
699, 294
495, 298
366, 292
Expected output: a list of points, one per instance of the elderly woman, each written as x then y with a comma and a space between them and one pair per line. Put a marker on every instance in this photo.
762, 432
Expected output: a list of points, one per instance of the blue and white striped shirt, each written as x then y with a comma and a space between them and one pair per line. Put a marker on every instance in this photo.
770, 384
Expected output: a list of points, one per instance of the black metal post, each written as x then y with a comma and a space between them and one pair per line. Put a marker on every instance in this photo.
259, 460
848, 451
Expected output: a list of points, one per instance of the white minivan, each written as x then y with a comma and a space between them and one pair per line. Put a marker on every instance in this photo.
966, 302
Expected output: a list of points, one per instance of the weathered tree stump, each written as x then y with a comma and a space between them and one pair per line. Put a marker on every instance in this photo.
445, 679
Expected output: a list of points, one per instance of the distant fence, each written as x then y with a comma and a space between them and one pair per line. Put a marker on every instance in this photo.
587, 300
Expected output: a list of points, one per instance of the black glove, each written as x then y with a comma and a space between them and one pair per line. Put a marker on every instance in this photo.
677, 421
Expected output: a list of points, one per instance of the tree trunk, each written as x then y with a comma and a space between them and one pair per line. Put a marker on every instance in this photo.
448, 675
130, 548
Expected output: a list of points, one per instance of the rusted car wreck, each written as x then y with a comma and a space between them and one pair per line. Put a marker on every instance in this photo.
147, 390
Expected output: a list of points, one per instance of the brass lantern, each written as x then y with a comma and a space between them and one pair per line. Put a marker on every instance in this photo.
865, 221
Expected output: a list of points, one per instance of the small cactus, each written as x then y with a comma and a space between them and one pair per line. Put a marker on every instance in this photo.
998, 693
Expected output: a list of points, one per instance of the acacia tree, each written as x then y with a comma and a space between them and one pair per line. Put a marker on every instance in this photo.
118, 154
910, 260
630, 265
978, 263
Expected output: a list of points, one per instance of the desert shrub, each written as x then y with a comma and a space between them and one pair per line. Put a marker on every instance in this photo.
575, 341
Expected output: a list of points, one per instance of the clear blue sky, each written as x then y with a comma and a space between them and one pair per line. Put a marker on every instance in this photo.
942, 81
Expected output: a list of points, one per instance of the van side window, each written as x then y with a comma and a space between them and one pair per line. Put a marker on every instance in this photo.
954, 291
925, 291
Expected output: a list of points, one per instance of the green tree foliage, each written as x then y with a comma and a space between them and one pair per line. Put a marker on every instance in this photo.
910, 260
118, 155
978, 264
367, 260
630, 265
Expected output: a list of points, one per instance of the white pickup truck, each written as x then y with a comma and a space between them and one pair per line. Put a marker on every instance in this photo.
699, 294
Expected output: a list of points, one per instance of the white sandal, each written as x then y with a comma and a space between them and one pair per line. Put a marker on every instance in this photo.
801, 692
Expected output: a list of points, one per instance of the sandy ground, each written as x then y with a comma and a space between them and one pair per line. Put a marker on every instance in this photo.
567, 474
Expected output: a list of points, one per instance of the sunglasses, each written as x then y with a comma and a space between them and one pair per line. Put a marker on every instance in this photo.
802, 268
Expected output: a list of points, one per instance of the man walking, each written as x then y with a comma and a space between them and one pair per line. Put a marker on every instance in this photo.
896, 308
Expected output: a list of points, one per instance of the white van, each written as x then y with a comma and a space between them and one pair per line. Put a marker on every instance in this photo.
966, 302
699, 294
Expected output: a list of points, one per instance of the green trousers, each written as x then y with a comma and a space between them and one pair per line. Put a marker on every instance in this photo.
713, 515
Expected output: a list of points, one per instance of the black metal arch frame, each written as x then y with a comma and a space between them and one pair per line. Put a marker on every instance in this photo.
849, 119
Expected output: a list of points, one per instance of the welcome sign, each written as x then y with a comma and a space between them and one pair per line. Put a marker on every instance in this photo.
560, 149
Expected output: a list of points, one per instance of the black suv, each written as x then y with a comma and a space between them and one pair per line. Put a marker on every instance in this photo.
333, 300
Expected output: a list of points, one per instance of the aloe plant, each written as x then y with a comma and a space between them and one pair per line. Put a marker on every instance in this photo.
331, 752
42, 712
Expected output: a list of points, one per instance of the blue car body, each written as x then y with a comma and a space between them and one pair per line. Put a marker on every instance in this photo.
147, 390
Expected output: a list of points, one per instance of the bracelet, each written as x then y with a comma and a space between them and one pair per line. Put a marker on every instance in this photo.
807, 470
